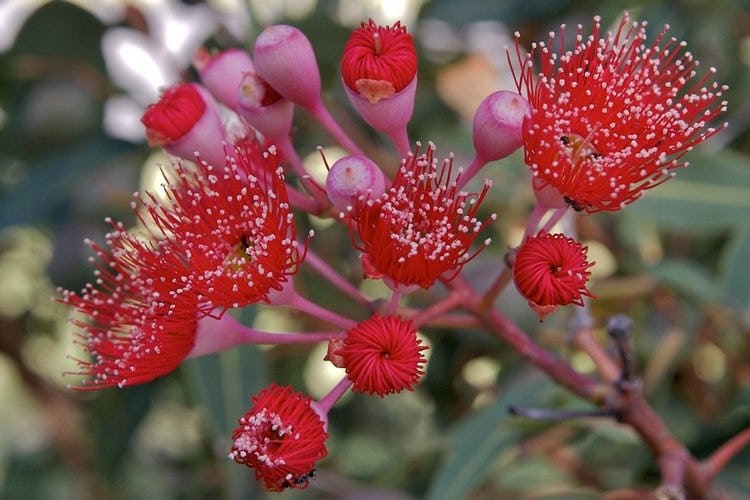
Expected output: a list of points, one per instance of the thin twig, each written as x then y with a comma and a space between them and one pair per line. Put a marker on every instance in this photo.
619, 328
554, 414
721, 457
624, 399
584, 339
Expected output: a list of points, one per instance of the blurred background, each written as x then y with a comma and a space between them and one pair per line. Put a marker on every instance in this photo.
74, 79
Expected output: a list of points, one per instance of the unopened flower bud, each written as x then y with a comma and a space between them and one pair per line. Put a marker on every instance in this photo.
379, 71
383, 355
551, 270
498, 124
263, 108
352, 177
186, 121
379, 61
222, 72
285, 59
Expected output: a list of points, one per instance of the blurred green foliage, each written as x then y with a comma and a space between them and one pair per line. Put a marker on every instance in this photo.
681, 272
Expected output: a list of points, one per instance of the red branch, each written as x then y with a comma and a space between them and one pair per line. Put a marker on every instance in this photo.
721, 457
681, 472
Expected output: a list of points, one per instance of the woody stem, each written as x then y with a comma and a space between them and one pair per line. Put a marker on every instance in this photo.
625, 399
535, 217
497, 286
393, 302
554, 218
719, 459
454, 298
258, 337
504, 328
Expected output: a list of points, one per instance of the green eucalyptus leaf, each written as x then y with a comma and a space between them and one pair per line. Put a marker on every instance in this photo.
735, 280
710, 195
688, 278
482, 437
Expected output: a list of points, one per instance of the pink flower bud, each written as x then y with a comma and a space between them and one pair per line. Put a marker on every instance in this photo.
263, 108
222, 72
285, 59
498, 124
353, 177
186, 121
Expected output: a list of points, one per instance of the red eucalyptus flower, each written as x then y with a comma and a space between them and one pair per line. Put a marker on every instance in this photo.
139, 324
382, 355
422, 227
235, 227
379, 61
281, 437
551, 270
613, 115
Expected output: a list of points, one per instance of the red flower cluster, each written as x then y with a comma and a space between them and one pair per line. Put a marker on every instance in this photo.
225, 240
421, 228
281, 437
613, 115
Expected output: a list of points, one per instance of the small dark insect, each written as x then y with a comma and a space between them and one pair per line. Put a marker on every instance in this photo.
302, 480
573, 203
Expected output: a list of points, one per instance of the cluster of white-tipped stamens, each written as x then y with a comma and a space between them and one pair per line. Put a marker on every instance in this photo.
630, 103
